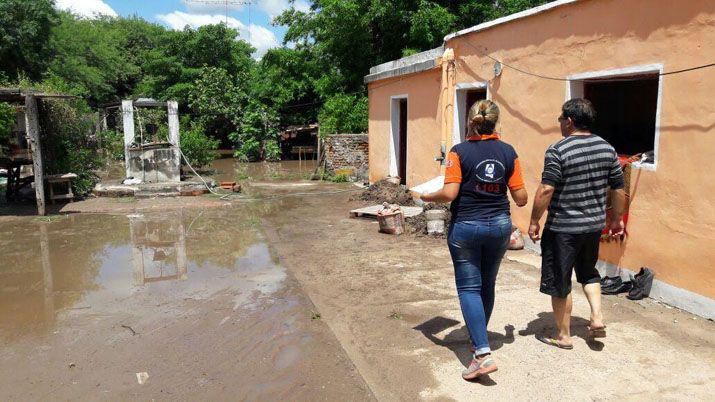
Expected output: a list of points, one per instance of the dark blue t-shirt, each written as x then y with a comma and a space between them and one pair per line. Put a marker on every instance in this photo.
486, 167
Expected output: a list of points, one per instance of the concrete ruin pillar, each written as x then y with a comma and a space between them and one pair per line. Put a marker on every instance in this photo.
128, 123
174, 136
32, 127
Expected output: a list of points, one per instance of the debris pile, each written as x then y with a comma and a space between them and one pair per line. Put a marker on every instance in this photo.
384, 191
418, 224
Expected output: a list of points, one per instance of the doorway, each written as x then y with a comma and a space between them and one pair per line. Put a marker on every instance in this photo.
398, 138
402, 172
466, 95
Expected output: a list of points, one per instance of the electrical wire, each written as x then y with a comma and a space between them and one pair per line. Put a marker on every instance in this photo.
546, 77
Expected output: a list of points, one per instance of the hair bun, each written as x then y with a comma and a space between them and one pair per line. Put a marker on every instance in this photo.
478, 118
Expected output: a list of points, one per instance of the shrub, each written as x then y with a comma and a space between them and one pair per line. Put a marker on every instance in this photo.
272, 151
7, 120
66, 142
198, 148
113, 144
339, 178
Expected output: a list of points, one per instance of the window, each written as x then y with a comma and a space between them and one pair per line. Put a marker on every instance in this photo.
627, 109
626, 112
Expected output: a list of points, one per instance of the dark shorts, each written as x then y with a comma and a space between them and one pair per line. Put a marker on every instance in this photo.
561, 253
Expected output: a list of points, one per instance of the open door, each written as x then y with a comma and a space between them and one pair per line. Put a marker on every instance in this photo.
402, 163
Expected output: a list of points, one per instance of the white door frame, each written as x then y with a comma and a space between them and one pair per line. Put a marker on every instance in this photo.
394, 156
574, 89
460, 107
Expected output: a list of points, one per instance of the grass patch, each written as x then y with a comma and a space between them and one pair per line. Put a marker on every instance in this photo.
395, 315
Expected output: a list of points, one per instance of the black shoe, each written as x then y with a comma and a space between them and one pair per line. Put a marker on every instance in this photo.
623, 288
642, 284
612, 283
609, 281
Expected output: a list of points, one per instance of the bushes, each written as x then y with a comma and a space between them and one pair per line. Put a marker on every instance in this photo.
66, 142
113, 144
7, 120
198, 148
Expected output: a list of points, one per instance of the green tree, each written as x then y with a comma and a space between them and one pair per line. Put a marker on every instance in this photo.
217, 102
344, 113
24, 32
257, 132
90, 59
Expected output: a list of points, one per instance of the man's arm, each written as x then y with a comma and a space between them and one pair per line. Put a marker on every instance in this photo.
541, 202
549, 178
616, 182
616, 227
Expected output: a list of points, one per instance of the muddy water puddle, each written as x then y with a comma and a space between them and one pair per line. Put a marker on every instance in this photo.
230, 169
100, 263
194, 298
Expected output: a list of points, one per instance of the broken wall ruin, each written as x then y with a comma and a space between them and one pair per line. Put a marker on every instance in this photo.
347, 151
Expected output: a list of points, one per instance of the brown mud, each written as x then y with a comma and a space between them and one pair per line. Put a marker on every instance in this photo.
280, 295
384, 191
392, 303
190, 294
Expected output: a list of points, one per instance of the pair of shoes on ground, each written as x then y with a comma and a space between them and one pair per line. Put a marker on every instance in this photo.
479, 366
638, 287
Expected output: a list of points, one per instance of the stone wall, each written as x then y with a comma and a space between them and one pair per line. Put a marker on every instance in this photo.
347, 151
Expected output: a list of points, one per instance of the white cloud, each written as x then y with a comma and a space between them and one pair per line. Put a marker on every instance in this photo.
86, 8
275, 7
260, 37
214, 5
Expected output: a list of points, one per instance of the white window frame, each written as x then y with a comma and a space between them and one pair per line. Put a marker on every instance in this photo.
460, 107
393, 165
574, 89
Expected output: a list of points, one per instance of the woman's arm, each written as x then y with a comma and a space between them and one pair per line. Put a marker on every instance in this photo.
447, 194
520, 196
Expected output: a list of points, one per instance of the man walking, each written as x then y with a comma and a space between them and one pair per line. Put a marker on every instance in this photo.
578, 170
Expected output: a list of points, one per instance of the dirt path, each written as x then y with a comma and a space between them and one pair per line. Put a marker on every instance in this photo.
392, 304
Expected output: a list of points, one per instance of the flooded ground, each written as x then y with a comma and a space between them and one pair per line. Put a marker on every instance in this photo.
192, 296
278, 294
229, 169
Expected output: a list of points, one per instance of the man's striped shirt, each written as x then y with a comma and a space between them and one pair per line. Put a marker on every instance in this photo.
581, 168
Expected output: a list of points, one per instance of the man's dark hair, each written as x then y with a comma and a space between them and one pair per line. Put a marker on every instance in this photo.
581, 112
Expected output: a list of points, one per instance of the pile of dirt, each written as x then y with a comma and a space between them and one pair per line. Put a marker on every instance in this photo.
384, 191
417, 225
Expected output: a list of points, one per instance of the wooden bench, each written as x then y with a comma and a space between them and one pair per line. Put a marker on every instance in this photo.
61, 179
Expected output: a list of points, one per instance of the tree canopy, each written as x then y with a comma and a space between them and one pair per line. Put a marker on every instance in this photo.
316, 76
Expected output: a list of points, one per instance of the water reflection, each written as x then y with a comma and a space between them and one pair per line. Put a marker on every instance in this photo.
158, 248
103, 264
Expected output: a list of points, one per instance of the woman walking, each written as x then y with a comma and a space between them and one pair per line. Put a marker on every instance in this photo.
479, 172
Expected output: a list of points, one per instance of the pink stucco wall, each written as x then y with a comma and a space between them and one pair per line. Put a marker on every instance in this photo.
672, 211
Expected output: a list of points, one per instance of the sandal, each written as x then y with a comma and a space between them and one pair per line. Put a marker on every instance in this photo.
597, 332
553, 342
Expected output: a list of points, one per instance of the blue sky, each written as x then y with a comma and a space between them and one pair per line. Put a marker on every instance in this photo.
254, 25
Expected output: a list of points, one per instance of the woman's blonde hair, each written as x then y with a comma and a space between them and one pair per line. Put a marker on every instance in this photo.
483, 116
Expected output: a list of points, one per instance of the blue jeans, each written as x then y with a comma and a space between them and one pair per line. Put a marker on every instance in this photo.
477, 248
